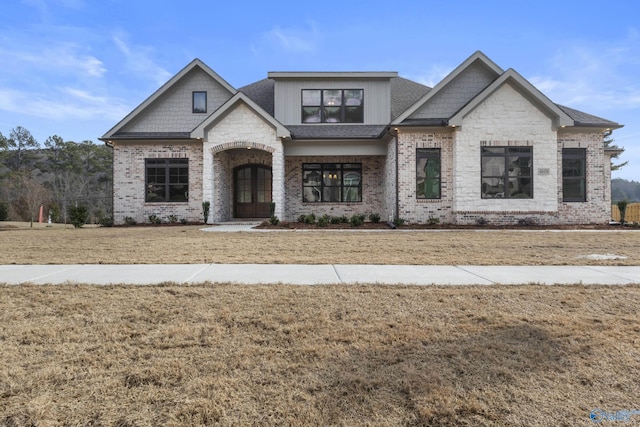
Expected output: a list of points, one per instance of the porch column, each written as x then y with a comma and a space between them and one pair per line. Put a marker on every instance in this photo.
208, 181
277, 181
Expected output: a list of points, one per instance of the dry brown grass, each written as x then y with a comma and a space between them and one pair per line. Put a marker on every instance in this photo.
190, 245
329, 355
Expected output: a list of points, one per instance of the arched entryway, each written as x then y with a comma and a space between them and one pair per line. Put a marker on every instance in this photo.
252, 191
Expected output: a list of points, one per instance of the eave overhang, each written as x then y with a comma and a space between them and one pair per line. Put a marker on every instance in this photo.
556, 114
477, 56
196, 63
200, 131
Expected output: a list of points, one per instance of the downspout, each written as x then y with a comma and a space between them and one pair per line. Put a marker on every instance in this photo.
397, 212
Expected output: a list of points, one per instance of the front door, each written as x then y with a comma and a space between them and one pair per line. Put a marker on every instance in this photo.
252, 191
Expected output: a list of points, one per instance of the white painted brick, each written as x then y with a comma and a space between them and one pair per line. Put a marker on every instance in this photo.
226, 148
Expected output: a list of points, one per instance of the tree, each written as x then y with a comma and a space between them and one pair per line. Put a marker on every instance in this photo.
4, 191
609, 143
4, 146
22, 145
31, 194
78, 173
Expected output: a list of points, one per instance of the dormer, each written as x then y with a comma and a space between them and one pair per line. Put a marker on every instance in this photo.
332, 98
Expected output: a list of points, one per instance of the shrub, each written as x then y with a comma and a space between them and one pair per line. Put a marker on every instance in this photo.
335, 220
310, 219
154, 219
357, 220
324, 220
206, 205
130, 221
183, 221
4, 211
343, 219
433, 220
622, 207
274, 220
374, 217
527, 221
481, 222
78, 215
397, 221
172, 219
106, 221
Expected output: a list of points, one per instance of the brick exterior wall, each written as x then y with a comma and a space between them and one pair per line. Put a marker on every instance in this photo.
372, 188
504, 119
227, 146
389, 181
225, 162
129, 181
597, 208
416, 210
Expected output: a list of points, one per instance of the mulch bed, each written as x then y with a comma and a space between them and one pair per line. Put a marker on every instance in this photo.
386, 226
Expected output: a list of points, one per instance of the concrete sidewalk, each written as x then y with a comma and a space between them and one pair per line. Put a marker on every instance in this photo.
145, 274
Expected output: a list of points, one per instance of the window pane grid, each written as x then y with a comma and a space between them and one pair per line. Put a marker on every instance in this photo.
428, 183
574, 186
167, 180
332, 106
507, 172
331, 182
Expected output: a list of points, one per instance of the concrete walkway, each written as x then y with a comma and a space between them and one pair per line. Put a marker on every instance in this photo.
144, 274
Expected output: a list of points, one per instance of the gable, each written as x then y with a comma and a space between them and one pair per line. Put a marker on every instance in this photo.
508, 115
526, 91
238, 123
461, 85
254, 117
456, 93
172, 111
168, 111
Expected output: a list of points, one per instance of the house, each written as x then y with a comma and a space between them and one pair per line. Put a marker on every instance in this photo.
484, 143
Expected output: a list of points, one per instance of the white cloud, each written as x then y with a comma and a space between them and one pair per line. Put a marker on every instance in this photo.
65, 58
66, 104
594, 76
300, 40
433, 76
138, 59
294, 40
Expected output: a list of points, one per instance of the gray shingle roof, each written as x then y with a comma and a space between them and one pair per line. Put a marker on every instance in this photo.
404, 93
583, 119
261, 92
336, 131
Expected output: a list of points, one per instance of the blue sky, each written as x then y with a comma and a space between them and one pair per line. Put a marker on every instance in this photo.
74, 68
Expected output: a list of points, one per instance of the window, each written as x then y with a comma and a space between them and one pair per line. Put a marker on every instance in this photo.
428, 173
199, 102
332, 106
167, 180
574, 176
332, 182
507, 172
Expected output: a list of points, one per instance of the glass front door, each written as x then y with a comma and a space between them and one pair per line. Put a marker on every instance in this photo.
252, 191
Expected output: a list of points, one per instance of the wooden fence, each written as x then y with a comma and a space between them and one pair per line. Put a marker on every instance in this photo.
632, 213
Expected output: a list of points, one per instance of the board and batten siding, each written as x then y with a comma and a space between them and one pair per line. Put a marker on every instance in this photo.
288, 98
